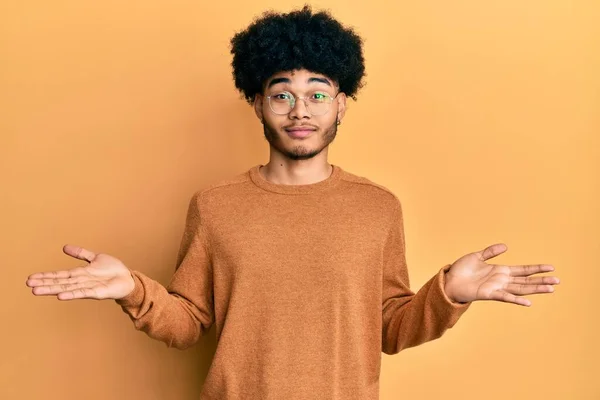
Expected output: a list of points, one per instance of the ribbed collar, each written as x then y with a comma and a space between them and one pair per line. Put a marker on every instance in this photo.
316, 187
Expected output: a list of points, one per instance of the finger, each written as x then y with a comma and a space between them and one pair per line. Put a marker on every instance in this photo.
506, 297
55, 289
526, 270
54, 281
536, 280
79, 252
528, 289
95, 292
63, 274
492, 251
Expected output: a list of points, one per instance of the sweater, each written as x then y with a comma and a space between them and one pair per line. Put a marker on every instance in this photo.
307, 285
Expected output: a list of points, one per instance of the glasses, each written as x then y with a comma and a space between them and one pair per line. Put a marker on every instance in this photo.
317, 102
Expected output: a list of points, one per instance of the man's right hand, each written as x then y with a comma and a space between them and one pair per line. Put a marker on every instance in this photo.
105, 277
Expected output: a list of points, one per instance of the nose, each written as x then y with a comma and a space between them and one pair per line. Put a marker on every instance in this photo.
300, 109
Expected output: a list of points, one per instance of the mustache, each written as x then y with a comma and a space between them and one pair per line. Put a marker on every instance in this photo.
301, 125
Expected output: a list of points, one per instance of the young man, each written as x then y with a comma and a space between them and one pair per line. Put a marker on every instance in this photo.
299, 264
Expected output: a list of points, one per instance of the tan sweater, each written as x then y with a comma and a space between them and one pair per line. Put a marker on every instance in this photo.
307, 285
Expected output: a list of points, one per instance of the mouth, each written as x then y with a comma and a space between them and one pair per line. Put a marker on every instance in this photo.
299, 132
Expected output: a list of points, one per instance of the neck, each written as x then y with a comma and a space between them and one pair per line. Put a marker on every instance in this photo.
304, 173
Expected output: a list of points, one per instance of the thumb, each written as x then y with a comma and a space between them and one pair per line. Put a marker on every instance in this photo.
79, 252
491, 251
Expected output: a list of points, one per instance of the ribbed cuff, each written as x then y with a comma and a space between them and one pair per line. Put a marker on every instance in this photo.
441, 283
136, 296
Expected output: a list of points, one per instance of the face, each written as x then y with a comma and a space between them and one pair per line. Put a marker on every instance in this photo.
281, 130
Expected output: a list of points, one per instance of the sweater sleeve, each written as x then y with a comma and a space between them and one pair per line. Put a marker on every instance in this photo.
182, 312
409, 318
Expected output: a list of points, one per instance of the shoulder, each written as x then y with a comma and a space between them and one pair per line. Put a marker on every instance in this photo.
220, 190
375, 191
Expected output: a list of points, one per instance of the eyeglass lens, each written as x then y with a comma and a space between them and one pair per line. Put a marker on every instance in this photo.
317, 102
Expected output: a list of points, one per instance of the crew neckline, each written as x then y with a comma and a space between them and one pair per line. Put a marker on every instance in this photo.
328, 183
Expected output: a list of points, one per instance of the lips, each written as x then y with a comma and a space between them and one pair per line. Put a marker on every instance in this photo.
300, 128
300, 133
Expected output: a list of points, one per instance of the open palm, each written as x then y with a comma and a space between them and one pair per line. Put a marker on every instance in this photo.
105, 277
470, 279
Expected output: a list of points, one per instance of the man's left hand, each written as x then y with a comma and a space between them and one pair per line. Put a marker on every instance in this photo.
470, 279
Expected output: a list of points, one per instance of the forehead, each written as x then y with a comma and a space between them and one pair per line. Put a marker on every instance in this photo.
298, 78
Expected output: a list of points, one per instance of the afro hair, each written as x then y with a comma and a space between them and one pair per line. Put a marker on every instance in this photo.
299, 39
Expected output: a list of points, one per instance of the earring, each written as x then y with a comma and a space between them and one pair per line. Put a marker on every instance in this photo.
339, 122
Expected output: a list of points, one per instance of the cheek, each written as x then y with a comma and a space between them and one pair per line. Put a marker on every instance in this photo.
327, 121
274, 122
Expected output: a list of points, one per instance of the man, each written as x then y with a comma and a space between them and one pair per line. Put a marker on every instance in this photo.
298, 263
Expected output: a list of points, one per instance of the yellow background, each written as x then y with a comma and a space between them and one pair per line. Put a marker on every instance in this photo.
483, 117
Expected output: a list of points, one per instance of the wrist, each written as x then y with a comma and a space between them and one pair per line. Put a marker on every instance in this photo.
448, 291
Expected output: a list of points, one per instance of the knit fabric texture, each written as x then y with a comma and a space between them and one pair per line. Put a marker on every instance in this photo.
306, 285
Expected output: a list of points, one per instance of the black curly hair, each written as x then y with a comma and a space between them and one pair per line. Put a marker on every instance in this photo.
299, 39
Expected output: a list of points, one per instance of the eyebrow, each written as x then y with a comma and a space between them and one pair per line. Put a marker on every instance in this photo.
287, 80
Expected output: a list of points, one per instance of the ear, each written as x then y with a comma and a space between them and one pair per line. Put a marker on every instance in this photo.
341, 111
258, 106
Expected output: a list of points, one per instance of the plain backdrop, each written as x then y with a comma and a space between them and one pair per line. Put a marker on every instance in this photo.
483, 117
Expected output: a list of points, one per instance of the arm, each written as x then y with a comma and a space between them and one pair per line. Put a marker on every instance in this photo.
183, 311
409, 318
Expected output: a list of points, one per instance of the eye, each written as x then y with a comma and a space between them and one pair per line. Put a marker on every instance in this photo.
281, 96
319, 97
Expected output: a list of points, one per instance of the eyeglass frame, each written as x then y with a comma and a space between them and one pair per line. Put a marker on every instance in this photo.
301, 98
